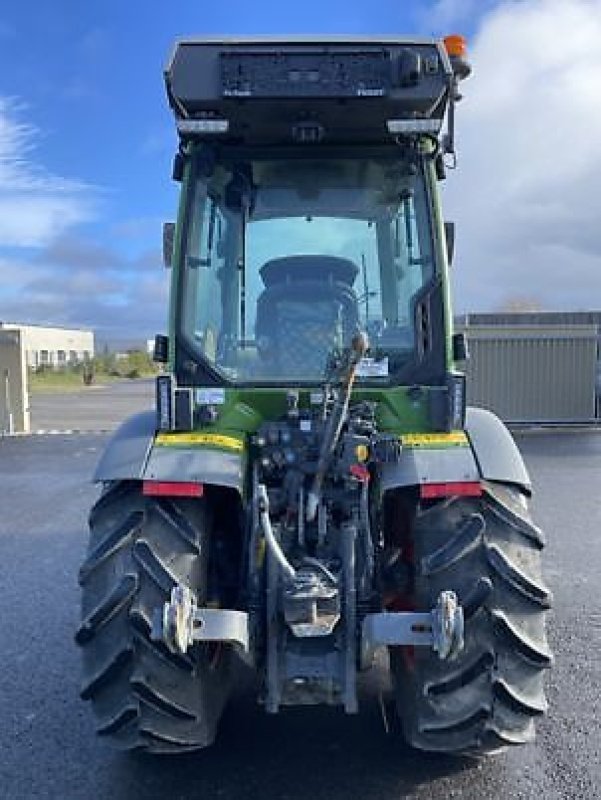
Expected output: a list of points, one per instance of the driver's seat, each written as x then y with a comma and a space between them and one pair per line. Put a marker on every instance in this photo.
307, 310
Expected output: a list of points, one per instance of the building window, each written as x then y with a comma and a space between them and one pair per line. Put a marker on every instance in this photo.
61, 357
44, 357
86, 355
73, 356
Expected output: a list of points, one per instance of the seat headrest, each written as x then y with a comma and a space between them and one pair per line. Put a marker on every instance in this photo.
297, 269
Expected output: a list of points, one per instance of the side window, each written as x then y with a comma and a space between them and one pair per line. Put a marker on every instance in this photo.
204, 263
367, 283
408, 258
406, 266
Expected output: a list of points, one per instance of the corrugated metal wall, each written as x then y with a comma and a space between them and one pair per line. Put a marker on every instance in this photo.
544, 318
534, 373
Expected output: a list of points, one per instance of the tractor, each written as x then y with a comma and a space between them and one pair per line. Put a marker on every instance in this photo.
311, 495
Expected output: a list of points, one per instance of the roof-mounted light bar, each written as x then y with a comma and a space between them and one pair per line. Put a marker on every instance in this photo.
192, 127
405, 126
336, 91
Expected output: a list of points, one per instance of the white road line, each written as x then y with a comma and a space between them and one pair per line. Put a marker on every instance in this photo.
56, 432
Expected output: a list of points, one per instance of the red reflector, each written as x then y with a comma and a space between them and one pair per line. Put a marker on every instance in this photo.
429, 491
360, 472
172, 489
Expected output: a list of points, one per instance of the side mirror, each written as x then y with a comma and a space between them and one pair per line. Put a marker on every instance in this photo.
441, 172
168, 237
460, 348
177, 172
449, 232
161, 349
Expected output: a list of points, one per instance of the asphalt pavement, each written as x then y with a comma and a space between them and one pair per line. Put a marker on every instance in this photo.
92, 408
47, 745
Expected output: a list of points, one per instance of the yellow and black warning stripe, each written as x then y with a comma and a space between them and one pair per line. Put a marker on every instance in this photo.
219, 441
435, 441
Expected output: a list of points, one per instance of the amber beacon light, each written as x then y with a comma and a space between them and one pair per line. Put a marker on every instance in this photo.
456, 45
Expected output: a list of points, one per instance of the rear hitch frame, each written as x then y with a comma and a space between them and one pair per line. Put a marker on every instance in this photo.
441, 629
181, 622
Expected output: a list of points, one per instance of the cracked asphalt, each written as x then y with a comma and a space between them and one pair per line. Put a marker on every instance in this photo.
47, 745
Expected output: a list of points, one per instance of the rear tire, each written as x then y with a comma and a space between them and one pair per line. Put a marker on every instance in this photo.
488, 551
143, 696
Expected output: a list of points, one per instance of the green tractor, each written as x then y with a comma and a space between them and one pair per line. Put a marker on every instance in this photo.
311, 491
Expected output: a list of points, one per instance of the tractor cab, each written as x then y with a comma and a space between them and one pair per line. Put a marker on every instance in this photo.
309, 212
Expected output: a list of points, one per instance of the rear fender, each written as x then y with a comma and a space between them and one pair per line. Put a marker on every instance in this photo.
197, 464
486, 451
494, 449
134, 452
128, 449
431, 458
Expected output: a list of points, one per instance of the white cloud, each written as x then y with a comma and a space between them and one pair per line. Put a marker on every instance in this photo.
116, 303
35, 206
528, 189
68, 279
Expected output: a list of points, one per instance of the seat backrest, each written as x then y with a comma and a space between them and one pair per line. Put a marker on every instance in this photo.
307, 310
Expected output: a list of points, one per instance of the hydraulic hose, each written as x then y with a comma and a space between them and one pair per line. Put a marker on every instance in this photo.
270, 539
335, 423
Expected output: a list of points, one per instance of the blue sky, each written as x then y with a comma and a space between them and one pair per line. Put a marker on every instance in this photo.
86, 142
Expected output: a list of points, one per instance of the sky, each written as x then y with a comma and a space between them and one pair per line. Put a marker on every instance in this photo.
87, 140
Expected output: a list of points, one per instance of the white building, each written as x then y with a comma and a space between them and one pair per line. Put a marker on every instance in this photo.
56, 347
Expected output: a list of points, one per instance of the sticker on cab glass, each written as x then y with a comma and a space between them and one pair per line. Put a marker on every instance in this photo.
210, 397
372, 368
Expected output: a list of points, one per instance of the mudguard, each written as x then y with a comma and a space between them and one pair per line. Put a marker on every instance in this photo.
431, 458
126, 454
135, 452
211, 458
485, 451
495, 451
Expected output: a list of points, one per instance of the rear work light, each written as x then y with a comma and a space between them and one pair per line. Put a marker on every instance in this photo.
172, 489
400, 126
189, 127
433, 491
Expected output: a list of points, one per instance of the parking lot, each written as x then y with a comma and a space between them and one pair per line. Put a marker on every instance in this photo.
47, 745
94, 408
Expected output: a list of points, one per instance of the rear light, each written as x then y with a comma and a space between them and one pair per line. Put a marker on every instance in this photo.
432, 491
359, 472
172, 489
